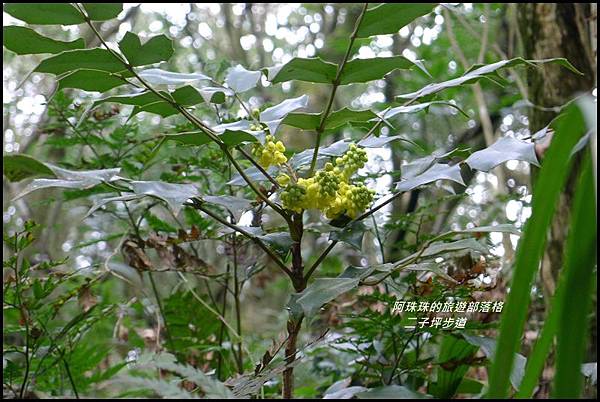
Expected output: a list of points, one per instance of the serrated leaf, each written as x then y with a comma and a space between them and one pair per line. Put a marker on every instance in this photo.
352, 234
102, 11
310, 121
487, 71
324, 290
378, 142
452, 366
503, 150
463, 244
439, 171
274, 115
299, 69
82, 179
90, 80
71, 60
216, 95
280, 241
103, 201
45, 13
389, 18
391, 112
162, 77
174, 194
241, 80
365, 70
23, 40
230, 138
420, 165
282, 109
154, 50
19, 167
430, 267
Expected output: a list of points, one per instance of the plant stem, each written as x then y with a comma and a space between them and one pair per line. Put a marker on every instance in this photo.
236, 296
294, 324
335, 85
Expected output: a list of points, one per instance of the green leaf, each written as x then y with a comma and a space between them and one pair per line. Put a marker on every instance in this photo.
337, 119
235, 205
45, 13
241, 80
488, 346
19, 167
573, 322
156, 49
352, 234
365, 70
391, 112
463, 244
102, 11
71, 60
478, 72
174, 194
576, 258
79, 179
453, 365
216, 95
310, 70
389, 18
90, 80
324, 290
505, 149
279, 241
551, 179
162, 77
23, 40
230, 138
439, 171
274, 115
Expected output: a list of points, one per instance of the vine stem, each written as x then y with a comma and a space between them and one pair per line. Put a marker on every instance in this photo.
335, 85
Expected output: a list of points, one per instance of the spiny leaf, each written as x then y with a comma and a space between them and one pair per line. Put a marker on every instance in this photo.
241, 80
389, 18
477, 73
505, 149
439, 171
156, 49
174, 194
19, 167
158, 76
365, 70
102, 11
310, 70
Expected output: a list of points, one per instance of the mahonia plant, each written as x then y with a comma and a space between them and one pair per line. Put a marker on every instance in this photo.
329, 189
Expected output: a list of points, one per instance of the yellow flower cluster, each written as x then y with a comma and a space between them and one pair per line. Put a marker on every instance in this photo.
330, 189
271, 153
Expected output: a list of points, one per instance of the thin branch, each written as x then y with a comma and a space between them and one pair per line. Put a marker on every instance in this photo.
211, 134
335, 85
250, 236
